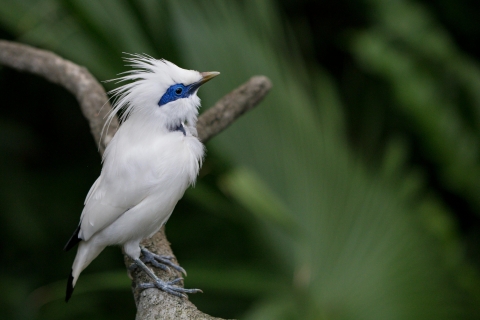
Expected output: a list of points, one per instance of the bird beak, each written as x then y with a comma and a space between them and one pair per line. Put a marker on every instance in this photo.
206, 76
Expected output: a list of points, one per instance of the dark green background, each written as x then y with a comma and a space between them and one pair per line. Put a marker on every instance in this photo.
352, 192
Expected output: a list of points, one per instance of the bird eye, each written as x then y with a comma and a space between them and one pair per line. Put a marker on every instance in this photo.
178, 90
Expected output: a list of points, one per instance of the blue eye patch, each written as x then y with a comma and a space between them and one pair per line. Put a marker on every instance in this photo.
177, 91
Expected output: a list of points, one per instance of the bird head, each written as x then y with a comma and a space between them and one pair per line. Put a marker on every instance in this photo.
159, 90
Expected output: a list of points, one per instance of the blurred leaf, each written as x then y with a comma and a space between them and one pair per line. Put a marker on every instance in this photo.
407, 52
252, 193
243, 281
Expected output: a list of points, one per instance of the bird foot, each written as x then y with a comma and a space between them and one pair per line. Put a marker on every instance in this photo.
160, 261
160, 284
169, 288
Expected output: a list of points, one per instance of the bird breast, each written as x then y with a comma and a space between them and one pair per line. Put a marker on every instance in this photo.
151, 161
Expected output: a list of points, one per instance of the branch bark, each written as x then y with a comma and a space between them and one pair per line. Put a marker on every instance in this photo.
151, 303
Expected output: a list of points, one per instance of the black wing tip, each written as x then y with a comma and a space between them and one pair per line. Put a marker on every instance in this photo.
74, 239
69, 287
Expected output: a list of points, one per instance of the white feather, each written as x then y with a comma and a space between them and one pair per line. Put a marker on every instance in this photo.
146, 167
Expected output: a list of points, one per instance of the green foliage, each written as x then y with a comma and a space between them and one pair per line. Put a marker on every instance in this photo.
431, 82
295, 215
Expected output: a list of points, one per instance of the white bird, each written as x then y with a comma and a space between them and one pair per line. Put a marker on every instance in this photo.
150, 162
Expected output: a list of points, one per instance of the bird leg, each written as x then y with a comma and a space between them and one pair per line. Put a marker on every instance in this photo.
160, 261
162, 285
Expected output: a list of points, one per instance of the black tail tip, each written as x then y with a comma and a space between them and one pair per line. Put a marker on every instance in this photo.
69, 287
74, 239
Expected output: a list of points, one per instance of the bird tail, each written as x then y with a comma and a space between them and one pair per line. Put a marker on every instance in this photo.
86, 252
74, 239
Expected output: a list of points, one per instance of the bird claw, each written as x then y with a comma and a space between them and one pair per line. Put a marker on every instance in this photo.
169, 288
160, 261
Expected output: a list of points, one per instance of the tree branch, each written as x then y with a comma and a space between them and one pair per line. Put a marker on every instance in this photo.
151, 303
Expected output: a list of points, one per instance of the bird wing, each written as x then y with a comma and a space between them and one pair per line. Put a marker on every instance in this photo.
97, 216
104, 204
92, 190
